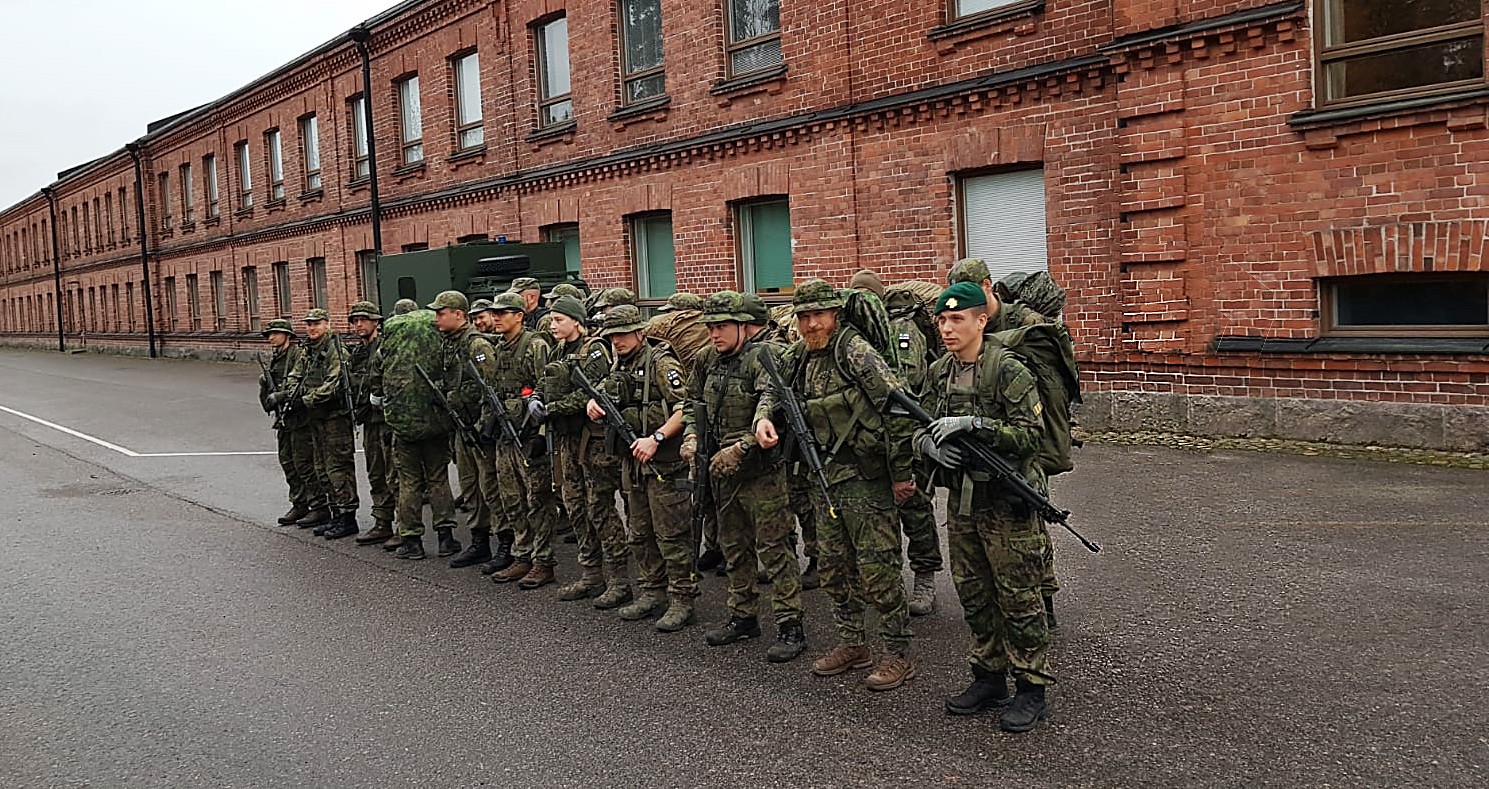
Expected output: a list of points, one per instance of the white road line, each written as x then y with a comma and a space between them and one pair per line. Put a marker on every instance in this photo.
123, 450
197, 454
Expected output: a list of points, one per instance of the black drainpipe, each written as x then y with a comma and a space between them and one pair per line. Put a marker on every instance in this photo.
139, 204
56, 267
360, 36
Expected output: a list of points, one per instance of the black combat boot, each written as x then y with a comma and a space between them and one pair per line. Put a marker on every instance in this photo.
412, 548
479, 550
809, 578
1049, 613
1027, 710
345, 528
791, 641
738, 628
295, 513
710, 559
987, 691
501, 559
330, 525
448, 545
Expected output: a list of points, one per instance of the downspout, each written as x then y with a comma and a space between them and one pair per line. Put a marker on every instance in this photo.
360, 36
139, 205
56, 267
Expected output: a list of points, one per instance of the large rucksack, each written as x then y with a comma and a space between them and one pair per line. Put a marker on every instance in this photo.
1046, 350
913, 300
684, 330
411, 339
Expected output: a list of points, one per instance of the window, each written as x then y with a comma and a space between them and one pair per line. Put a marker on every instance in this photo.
275, 152
165, 202
417, 246
568, 235
282, 288
108, 214
555, 102
965, 8
92, 320
653, 256
170, 303
123, 216
1001, 219
251, 297
115, 315
209, 172
194, 302
310, 148
367, 269
129, 303
754, 35
87, 232
73, 223
411, 120
1443, 305
97, 225
468, 130
188, 195
641, 51
219, 300
245, 176
316, 268
764, 245
361, 162
1383, 48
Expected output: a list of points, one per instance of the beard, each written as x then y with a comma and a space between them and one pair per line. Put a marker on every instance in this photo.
815, 341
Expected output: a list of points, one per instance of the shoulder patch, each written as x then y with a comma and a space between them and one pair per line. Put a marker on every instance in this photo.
597, 353
480, 358
674, 378
904, 341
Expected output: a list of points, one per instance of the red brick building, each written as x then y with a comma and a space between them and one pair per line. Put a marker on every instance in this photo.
1269, 216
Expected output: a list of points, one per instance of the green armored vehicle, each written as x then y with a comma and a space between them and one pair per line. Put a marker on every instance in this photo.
479, 269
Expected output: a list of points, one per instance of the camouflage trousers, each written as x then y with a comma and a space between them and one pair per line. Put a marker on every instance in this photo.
468, 472
336, 460
917, 517
590, 480
860, 561
1049, 584
565, 475
423, 468
297, 458
660, 517
806, 514
382, 482
755, 526
998, 564
523, 506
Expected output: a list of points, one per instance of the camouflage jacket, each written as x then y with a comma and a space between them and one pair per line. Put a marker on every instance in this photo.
517, 367
320, 369
280, 365
359, 359
844, 390
648, 387
735, 393
565, 400
459, 350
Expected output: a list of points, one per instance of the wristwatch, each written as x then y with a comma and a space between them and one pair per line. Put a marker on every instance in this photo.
658, 437
977, 423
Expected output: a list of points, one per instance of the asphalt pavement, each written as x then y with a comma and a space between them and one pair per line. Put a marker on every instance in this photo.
1254, 619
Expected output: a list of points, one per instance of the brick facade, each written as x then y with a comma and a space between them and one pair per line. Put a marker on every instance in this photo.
1195, 193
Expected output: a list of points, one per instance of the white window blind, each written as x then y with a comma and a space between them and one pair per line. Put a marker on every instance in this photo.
1003, 221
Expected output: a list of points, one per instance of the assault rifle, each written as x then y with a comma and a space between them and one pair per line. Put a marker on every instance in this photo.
613, 419
503, 419
796, 421
467, 433
346, 378
269, 382
985, 459
703, 499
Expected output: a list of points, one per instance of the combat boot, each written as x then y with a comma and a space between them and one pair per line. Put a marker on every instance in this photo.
738, 628
988, 690
393, 543
810, 579
515, 571
791, 641
923, 594
329, 526
617, 593
501, 559
316, 517
1027, 709
479, 550
710, 559
412, 548
345, 526
891, 672
295, 513
448, 545
380, 532
648, 603
539, 575
591, 583
679, 615
1049, 613
842, 658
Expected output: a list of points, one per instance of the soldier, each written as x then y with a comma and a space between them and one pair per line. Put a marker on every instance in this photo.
564, 529
377, 439
917, 514
590, 475
467, 472
845, 387
682, 302
296, 438
315, 385
749, 482
997, 545
404, 306
647, 386
532, 296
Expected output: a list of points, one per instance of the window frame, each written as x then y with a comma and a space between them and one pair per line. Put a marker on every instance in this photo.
731, 46
188, 194
412, 148
636, 225
250, 275
244, 156
1328, 300
628, 77
167, 218
558, 233
315, 273
361, 159
540, 59
210, 185
218, 287
274, 161
310, 151
959, 209
194, 300
458, 73
367, 274
1325, 53
283, 296
744, 244
954, 16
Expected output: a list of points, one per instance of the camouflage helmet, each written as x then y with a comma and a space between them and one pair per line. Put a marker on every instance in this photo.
612, 297
404, 306
478, 306
682, 301
816, 294
511, 301
450, 300
564, 289
317, 314
971, 270
526, 283
756, 308
365, 309
727, 306
280, 326
622, 319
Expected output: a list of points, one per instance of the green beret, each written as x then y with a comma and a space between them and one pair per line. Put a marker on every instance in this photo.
450, 300
961, 296
816, 294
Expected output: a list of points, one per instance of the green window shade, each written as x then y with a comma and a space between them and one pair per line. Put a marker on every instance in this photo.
767, 245
656, 260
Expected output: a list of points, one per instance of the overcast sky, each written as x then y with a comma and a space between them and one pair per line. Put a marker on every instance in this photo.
83, 77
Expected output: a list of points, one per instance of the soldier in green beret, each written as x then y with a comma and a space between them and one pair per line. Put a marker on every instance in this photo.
296, 438
377, 440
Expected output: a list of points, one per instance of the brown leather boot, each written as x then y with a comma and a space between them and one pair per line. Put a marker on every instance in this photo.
591, 583
539, 575
841, 658
514, 572
891, 672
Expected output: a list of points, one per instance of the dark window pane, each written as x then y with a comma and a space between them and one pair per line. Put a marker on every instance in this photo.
753, 18
642, 20
645, 88
407, 288
1347, 21
1457, 302
1413, 67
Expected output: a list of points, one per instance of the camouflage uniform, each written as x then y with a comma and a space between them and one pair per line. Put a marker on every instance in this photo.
325, 401
459, 350
296, 437
918, 513
421, 446
377, 439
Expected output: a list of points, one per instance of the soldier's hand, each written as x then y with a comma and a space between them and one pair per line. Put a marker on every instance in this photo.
727, 460
765, 434
275, 400
903, 491
948, 426
537, 410
946, 455
594, 411
689, 448
644, 449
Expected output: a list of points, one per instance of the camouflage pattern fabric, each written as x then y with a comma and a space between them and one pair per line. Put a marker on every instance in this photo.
296, 441
755, 529
423, 467
335, 460
320, 369
860, 562
917, 515
407, 340
523, 503
382, 480
683, 329
471, 475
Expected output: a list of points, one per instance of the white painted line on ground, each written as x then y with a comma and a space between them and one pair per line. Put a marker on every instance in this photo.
197, 454
123, 450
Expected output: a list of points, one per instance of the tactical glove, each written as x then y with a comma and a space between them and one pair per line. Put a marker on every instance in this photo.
275, 400
537, 410
948, 426
727, 460
689, 448
946, 455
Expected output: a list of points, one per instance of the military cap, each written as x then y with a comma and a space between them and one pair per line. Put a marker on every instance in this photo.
480, 305
623, 319
317, 314
571, 307
365, 309
816, 294
727, 306
682, 301
961, 296
450, 300
511, 301
526, 283
404, 306
869, 281
971, 270
564, 289
756, 308
611, 297
279, 325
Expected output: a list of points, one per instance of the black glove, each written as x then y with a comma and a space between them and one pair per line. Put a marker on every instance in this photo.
274, 401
